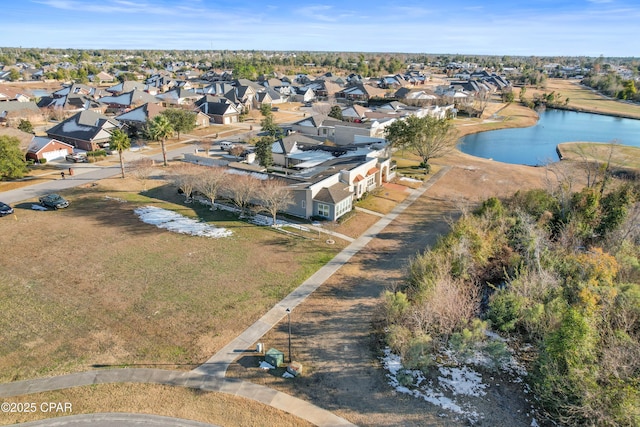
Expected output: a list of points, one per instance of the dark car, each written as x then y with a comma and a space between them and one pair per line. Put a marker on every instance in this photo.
54, 201
5, 209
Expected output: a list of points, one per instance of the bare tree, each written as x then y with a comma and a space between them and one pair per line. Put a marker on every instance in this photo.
184, 176
560, 179
596, 166
480, 101
243, 189
141, 169
210, 182
274, 196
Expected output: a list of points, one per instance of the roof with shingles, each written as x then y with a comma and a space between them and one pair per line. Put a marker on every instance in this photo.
84, 126
142, 113
334, 194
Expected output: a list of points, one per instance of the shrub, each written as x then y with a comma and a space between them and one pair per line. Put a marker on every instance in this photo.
504, 310
42, 161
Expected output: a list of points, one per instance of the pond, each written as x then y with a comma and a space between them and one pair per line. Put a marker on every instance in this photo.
536, 145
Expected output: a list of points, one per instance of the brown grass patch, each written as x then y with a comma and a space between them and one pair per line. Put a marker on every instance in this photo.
385, 198
584, 99
510, 116
208, 407
356, 224
622, 156
91, 284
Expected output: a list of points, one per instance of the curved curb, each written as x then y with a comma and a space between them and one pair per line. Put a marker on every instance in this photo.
104, 419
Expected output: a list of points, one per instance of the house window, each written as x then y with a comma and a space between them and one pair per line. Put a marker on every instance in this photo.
304, 204
324, 131
371, 180
323, 210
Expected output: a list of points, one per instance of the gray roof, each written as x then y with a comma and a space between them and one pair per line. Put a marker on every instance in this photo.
7, 106
334, 194
85, 126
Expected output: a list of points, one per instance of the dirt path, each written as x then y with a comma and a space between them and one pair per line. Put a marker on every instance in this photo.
335, 332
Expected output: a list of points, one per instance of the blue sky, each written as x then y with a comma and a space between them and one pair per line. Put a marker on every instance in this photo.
483, 27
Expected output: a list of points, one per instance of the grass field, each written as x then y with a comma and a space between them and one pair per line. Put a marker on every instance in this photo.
584, 99
214, 408
621, 156
91, 284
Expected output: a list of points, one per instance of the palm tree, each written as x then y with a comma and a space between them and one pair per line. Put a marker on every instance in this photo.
119, 141
159, 130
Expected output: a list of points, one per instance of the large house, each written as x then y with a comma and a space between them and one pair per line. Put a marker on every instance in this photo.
326, 180
137, 118
220, 110
86, 130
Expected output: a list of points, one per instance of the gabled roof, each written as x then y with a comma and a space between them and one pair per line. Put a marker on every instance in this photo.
141, 114
24, 137
334, 194
77, 89
38, 143
246, 82
129, 98
313, 121
216, 108
9, 106
179, 93
126, 86
85, 126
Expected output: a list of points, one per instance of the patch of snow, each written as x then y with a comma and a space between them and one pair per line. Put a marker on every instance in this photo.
288, 375
72, 126
462, 381
534, 423
404, 178
266, 366
256, 175
38, 208
177, 223
393, 364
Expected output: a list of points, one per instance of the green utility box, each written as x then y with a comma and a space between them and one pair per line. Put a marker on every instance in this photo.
274, 357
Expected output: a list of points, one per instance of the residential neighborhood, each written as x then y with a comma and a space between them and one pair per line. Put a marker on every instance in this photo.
328, 162
243, 237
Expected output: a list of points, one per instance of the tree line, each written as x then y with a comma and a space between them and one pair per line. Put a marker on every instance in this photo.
246, 192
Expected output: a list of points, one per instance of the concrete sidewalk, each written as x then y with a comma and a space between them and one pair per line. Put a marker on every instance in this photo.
258, 393
217, 365
210, 376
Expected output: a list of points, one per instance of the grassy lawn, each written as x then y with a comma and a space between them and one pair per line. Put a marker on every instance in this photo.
384, 199
511, 116
622, 156
92, 284
585, 99
213, 408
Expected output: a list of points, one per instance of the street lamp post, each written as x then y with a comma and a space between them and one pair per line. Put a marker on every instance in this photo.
289, 318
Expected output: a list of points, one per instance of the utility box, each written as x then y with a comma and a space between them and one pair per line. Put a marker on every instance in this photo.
295, 368
274, 357
259, 348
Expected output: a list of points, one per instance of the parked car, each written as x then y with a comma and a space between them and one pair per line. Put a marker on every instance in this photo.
54, 201
226, 145
5, 209
77, 158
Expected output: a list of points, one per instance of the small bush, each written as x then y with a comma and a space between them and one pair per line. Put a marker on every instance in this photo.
42, 161
97, 153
